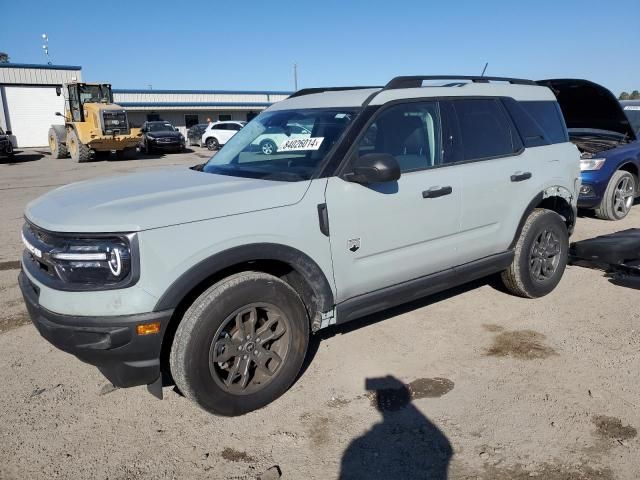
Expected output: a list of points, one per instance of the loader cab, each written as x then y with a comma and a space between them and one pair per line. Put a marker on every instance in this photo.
82, 93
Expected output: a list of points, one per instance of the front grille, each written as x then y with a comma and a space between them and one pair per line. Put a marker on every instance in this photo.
44, 242
115, 122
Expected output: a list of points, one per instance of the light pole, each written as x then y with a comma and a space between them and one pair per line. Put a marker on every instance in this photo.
295, 76
45, 47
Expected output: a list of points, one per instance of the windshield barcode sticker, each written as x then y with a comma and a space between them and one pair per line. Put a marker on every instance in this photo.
301, 144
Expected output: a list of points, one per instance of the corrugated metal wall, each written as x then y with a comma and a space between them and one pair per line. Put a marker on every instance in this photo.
44, 75
196, 96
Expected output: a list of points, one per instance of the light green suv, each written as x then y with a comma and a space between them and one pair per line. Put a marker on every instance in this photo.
216, 276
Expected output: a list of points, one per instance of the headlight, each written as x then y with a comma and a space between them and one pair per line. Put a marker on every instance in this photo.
591, 163
82, 263
95, 262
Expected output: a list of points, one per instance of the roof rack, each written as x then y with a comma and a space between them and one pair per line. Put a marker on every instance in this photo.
416, 81
309, 91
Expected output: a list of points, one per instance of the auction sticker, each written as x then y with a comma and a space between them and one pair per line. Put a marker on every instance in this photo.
301, 144
632, 107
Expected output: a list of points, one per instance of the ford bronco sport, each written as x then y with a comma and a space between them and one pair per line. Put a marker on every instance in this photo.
216, 276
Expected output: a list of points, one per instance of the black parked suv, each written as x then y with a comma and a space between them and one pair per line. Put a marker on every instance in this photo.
161, 135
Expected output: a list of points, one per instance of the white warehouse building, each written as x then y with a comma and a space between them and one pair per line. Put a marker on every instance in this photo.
29, 101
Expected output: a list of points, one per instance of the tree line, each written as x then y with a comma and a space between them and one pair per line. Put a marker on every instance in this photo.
635, 95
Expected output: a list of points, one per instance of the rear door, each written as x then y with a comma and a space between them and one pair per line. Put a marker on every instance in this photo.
496, 174
388, 233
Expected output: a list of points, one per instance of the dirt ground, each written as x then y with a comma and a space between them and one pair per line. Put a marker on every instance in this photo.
470, 384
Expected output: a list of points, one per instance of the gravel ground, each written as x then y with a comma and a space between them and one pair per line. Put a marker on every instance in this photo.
470, 384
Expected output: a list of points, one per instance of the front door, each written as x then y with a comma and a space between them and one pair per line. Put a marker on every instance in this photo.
385, 234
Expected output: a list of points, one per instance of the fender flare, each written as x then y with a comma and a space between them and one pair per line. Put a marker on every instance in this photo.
555, 191
201, 271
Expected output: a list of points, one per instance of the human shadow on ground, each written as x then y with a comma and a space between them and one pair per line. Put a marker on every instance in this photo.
405, 444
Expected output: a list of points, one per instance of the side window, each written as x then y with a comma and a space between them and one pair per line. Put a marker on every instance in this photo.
234, 126
410, 132
548, 116
221, 126
485, 129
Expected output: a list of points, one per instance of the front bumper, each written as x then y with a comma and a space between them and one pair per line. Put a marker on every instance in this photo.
110, 343
167, 145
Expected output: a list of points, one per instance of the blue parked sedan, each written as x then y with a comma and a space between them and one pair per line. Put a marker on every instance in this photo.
609, 144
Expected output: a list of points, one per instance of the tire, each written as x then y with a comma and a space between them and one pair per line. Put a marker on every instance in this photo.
8, 150
528, 278
201, 334
129, 153
57, 144
79, 152
268, 147
618, 197
212, 143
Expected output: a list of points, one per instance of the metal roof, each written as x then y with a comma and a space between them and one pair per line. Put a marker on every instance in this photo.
200, 92
40, 66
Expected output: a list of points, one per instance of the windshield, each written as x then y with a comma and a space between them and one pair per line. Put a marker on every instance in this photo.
285, 145
95, 94
160, 127
633, 114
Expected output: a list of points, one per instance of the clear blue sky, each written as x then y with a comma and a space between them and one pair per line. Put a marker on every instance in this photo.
252, 44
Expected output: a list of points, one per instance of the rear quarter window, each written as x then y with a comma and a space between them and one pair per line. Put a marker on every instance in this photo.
549, 118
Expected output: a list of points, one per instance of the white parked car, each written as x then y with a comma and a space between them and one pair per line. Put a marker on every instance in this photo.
219, 133
273, 137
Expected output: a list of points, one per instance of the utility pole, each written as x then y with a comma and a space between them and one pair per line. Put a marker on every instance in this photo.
295, 77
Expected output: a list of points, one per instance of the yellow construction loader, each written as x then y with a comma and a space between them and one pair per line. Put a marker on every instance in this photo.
94, 126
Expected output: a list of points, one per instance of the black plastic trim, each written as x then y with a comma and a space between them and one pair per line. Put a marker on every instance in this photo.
530, 208
208, 267
392, 296
415, 81
323, 218
110, 343
311, 91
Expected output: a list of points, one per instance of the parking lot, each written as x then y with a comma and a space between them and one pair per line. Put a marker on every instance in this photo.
476, 381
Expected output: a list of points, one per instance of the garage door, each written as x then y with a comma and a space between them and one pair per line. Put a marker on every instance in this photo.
31, 113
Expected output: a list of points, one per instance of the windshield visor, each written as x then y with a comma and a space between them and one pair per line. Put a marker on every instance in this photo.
285, 145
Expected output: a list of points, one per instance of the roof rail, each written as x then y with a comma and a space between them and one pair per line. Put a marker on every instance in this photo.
416, 81
309, 91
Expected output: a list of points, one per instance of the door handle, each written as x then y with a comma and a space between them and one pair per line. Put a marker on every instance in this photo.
435, 192
520, 176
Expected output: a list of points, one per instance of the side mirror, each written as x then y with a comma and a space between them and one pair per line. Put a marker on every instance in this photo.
58, 91
374, 168
9, 132
58, 114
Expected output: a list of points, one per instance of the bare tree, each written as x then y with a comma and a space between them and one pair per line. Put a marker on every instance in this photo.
4, 57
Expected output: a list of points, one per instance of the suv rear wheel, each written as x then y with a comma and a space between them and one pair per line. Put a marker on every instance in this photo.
241, 344
540, 255
618, 197
212, 143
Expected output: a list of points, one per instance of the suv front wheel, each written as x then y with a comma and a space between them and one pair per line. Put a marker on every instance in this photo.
540, 255
241, 344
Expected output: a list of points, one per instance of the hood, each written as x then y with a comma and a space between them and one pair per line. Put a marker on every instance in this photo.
145, 200
163, 133
587, 105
